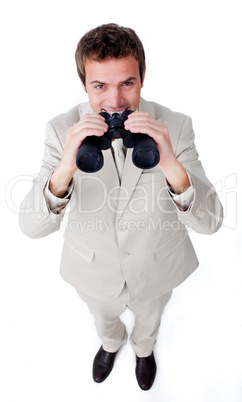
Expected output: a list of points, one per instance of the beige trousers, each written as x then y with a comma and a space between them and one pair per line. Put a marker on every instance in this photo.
111, 329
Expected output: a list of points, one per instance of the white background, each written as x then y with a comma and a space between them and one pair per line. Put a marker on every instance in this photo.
48, 340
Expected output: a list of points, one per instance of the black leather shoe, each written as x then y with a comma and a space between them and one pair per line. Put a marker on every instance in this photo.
102, 365
145, 371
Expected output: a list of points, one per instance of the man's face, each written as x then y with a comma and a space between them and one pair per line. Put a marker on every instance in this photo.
113, 85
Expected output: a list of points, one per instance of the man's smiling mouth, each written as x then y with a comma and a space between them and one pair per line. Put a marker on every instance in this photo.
111, 112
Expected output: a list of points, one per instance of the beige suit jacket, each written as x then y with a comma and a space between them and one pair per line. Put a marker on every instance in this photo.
133, 233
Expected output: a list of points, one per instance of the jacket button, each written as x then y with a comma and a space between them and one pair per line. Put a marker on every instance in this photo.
200, 213
38, 216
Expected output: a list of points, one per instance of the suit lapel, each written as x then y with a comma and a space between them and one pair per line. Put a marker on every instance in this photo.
131, 173
109, 178
118, 195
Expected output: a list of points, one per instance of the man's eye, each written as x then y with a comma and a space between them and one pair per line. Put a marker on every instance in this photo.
100, 86
128, 83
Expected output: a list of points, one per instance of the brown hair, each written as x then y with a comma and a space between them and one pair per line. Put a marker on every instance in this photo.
106, 42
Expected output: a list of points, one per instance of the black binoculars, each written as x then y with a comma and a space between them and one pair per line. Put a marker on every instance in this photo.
145, 153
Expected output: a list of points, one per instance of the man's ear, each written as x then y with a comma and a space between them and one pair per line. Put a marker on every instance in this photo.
143, 78
83, 80
83, 86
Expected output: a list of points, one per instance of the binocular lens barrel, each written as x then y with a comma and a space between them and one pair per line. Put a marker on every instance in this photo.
89, 158
145, 154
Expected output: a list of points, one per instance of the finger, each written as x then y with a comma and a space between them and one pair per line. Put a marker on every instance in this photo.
145, 127
86, 125
94, 117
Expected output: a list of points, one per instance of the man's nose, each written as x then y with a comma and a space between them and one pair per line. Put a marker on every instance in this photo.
115, 98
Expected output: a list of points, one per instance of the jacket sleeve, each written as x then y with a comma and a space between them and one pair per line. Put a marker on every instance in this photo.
205, 214
36, 218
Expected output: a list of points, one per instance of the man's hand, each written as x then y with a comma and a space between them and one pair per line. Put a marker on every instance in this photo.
143, 122
89, 124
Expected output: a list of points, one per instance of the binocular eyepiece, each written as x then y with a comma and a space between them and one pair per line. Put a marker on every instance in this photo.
145, 153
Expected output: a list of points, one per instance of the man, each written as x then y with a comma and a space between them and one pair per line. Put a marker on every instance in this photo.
126, 242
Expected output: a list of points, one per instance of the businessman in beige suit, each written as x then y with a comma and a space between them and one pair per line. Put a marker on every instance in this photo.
126, 240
